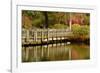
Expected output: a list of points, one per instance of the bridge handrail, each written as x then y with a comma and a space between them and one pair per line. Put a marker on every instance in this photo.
37, 34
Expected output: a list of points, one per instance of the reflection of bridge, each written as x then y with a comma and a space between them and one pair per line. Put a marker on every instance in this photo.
44, 35
46, 53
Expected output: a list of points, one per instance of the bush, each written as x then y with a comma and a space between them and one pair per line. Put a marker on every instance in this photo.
81, 32
59, 26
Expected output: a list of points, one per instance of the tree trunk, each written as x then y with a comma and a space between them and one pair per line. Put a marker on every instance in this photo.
46, 19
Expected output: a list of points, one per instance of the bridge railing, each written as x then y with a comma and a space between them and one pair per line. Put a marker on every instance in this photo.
37, 35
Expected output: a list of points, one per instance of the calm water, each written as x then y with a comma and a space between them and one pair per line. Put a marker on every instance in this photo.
56, 52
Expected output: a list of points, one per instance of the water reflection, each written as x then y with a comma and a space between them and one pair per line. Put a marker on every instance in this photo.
55, 52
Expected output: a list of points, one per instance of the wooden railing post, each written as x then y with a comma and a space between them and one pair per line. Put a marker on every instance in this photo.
41, 36
35, 36
27, 36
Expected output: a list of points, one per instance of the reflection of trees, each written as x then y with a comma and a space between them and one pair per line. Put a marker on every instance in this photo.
74, 54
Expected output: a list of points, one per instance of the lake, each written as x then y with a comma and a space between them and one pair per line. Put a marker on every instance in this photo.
56, 52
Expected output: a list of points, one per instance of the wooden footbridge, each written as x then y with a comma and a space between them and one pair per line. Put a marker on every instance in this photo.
35, 40
44, 36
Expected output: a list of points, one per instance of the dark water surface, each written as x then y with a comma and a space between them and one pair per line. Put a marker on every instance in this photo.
56, 52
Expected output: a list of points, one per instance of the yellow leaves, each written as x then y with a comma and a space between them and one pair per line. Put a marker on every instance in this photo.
26, 22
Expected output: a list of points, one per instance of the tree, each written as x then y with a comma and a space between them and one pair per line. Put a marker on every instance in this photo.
46, 19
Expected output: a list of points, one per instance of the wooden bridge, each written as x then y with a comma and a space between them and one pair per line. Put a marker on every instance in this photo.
35, 36
31, 39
